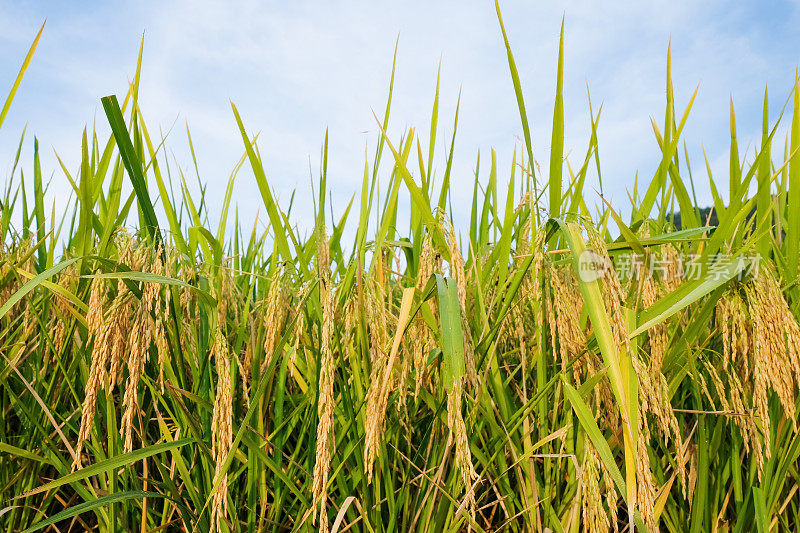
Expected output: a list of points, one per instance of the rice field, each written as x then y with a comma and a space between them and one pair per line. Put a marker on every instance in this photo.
549, 367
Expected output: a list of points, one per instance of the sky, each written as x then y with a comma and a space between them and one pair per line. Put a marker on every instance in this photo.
297, 69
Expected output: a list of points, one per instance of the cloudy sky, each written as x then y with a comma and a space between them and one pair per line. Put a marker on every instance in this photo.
295, 69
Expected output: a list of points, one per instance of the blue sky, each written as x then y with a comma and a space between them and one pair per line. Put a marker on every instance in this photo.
295, 69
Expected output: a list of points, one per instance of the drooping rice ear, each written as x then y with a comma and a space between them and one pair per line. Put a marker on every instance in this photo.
458, 433
141, 336
139, 344
645, 485
595, 518
776, 350
274, 317
568, 303
325, 426
107, 353
97, 302
97, 376
222, 427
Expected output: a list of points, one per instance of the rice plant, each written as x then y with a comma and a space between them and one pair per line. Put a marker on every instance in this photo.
550, 367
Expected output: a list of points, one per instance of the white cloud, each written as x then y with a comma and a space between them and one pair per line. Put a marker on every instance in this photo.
296, 69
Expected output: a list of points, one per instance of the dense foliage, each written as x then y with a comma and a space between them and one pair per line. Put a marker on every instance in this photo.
549, 366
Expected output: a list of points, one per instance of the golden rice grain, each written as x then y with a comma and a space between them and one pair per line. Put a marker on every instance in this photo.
595, 518
105, 343
325, 429
458, 433
645, 485
776, 350
221, 428
568, 303
97, 302
139, 343
274, 317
